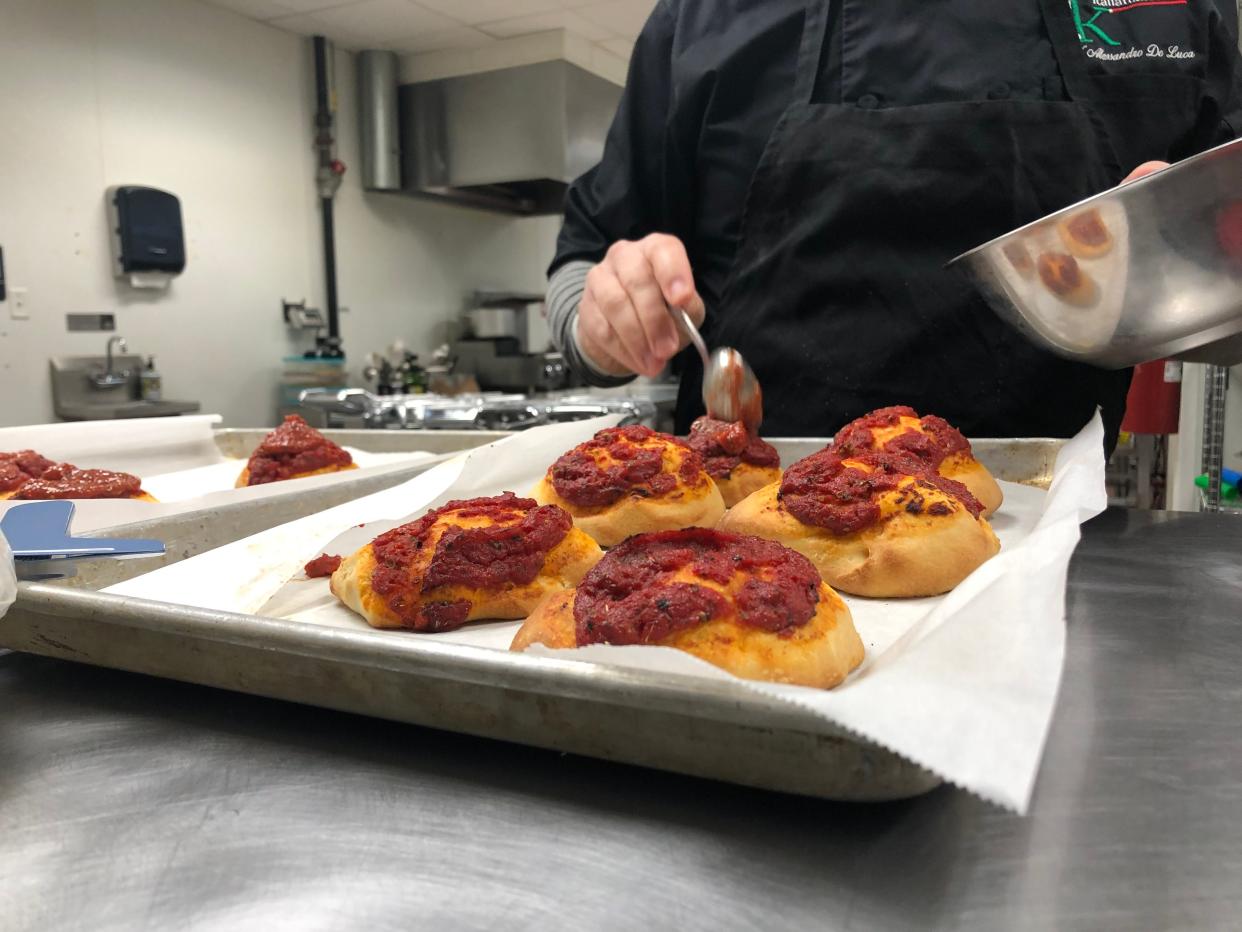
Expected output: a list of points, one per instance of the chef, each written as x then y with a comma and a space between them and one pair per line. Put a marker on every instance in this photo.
796, 174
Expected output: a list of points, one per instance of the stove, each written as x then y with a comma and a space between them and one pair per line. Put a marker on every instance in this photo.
354, 408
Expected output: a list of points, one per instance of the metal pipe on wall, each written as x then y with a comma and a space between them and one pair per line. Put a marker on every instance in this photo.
328, 179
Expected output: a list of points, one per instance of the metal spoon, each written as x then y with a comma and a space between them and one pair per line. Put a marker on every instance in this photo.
730, 390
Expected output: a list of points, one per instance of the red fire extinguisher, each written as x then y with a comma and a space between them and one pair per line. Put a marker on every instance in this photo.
1155, 398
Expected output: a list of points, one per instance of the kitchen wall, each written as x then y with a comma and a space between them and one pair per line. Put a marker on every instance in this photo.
217, 109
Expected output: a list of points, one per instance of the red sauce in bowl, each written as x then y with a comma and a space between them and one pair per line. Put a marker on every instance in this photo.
631, 596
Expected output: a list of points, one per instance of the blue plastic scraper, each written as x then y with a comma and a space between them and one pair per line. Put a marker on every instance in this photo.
43, 548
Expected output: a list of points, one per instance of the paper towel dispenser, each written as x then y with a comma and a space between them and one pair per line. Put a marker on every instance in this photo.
148, 238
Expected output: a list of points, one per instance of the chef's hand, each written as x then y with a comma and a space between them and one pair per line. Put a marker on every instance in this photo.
1145, 169
623, 321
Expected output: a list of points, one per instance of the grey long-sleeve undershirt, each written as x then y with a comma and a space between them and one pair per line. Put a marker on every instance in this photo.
565, 289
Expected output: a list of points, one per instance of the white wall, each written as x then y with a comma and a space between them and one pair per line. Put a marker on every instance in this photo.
216, 108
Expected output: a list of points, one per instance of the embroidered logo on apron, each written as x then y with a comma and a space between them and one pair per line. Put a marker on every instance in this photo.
1096, 33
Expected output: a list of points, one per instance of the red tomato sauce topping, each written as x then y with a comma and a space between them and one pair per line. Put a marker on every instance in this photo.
724, 446
323, 565
578, 477
1088, 229
65, 481
1060, 273
292, 449
16, 469
511, 550
630, 596
823, 491
937, 440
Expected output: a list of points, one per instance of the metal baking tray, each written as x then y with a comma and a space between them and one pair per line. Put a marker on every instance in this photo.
194, 532
687, 725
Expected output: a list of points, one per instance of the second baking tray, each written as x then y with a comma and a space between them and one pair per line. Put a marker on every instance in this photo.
193, 532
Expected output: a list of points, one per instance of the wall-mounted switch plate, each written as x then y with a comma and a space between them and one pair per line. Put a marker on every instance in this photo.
19, 303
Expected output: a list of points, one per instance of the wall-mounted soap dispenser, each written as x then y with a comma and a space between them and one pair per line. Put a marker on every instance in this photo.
147, 236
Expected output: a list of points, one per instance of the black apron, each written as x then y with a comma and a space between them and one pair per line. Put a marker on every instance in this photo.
838, 296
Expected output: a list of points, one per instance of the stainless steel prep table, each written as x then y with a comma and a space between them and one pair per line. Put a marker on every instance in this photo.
133, 803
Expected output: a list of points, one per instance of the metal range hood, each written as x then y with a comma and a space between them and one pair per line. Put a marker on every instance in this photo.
509, 140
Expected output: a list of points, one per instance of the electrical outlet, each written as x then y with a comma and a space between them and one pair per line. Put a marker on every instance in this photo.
19, 303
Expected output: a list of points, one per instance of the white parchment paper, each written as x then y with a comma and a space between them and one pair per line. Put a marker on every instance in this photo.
963, 684
177, 459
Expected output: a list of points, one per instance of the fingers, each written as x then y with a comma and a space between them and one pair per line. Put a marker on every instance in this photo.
594, 337
671, 267
637, 275
672, 270
614, 325
624, 314
698, 313
1145, 169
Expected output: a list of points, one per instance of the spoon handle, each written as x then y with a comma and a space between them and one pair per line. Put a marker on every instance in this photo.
680, 316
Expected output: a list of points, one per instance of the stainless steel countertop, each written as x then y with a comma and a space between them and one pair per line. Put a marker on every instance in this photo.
131, 803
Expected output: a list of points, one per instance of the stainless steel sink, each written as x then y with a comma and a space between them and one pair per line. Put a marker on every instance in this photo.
76, 396
124, 409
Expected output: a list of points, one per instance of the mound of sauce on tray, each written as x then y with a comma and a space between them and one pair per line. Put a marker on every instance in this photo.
293, 449
638, 593
613, 464
931, 441
842, 494
323, 565
510, 550
724, 446
65, 481
16, 469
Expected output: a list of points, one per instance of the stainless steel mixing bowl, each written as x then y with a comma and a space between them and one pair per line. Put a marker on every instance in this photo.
1144, 271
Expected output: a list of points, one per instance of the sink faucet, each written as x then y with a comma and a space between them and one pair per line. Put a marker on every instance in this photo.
108, 378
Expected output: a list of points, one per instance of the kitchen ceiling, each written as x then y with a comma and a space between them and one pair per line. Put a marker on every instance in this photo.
437, 25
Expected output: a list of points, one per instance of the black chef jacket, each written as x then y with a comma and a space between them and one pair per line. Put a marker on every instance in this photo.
710, 78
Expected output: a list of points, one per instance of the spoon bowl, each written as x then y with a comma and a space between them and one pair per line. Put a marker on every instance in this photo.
730, 389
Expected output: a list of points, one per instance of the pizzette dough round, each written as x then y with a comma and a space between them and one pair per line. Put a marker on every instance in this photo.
767, 616
744, 480
469, 560
631, 480
294, 450
921, 539
50, 481
1086, 235
931, 439
140, 497
738, 462
243, 481
1065, 279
